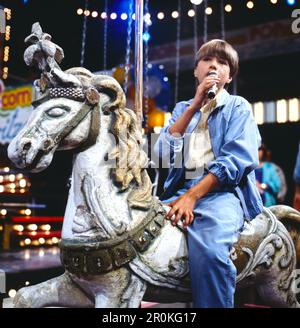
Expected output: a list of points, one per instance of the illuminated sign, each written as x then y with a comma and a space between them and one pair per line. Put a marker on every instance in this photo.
20, 97
15, 109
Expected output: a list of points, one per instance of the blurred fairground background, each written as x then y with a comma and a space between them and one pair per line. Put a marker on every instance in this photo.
99, 35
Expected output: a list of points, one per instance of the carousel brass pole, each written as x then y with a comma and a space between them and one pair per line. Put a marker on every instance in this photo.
138, 100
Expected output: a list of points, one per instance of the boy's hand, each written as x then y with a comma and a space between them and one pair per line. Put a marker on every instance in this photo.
202, 89
182, 207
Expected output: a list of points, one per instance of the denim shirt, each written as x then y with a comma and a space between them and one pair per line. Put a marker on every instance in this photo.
235, 141
297, 168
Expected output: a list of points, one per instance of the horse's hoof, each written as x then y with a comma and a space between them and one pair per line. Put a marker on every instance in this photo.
20, 300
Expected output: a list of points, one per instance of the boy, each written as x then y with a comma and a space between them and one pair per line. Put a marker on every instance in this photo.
222, 149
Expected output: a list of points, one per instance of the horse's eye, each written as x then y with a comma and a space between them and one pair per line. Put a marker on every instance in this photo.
56, 112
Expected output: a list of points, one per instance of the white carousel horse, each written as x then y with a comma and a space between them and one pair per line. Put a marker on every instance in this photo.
116, 246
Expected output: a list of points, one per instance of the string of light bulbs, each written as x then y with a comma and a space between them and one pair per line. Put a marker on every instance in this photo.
228, 8
6, 50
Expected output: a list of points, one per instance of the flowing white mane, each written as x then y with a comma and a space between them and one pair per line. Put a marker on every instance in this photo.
131, 160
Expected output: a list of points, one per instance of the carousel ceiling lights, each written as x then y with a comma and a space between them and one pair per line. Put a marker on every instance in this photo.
208, 11
250, 4
196, 2
175, 14
228, 8
191, 13
161, 15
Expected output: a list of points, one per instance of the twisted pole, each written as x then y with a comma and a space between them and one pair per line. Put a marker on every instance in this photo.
139, 20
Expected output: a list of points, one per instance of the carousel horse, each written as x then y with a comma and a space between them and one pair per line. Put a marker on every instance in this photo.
117, 249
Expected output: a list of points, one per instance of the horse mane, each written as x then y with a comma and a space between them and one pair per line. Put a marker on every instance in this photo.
131, 161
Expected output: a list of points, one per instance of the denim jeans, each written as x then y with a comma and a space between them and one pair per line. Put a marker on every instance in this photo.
218, 221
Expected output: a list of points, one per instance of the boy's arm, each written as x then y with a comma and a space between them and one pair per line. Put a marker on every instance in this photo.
238, 157
239, 153
167, 144
180, 125
183, 206
200, 97
170, 140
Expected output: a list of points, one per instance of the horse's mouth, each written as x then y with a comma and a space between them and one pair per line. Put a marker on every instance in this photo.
37, 163
29, 155
34, 164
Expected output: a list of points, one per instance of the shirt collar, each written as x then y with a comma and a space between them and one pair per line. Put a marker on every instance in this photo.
221, 98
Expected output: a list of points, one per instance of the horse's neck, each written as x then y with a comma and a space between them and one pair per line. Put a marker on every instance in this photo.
95, 205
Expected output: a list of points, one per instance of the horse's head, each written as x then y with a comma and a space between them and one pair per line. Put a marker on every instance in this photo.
64, 106
62, 116
68, 113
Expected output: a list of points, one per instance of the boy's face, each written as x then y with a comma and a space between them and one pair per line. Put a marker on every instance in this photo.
213, 63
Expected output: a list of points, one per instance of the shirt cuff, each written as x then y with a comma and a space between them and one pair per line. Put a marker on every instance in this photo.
218, 171
174, 140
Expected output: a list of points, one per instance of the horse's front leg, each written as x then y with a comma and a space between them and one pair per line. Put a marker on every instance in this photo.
59, 292
116, 289
128, 296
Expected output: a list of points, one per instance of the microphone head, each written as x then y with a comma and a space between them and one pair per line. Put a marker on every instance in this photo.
210, 73
211, 93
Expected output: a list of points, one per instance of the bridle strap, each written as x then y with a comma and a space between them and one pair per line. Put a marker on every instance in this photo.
93, 132
82, 113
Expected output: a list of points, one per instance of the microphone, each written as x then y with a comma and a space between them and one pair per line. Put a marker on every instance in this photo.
212, 91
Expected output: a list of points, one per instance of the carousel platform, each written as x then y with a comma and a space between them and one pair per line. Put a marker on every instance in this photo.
22, 266
31, 266
28, 267
20, 261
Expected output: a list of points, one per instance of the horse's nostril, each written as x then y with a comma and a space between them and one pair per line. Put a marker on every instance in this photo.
27, 146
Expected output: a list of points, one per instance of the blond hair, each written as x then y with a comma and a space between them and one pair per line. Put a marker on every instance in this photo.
131, 161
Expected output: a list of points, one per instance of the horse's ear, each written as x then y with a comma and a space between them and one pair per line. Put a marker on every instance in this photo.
112, 88
60, 78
